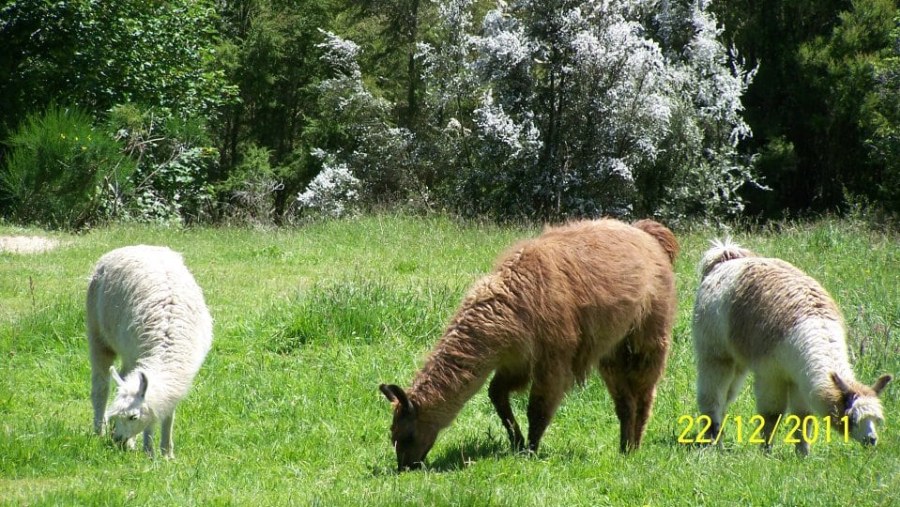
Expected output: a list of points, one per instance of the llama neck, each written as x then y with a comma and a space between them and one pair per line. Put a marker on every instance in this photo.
468, 352
166, 385
454, 372
832, 402
824, 352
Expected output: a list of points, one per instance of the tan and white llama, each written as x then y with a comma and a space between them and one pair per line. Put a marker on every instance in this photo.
765, 315
590, 294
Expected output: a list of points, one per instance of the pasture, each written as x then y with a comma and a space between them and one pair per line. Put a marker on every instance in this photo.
307, 323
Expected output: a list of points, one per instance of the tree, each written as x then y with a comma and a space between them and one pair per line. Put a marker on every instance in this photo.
271, 53
881, 122
848, 68
391, 30
99, 54
158, 59
364, 145
595, 107
810, 105
62, 172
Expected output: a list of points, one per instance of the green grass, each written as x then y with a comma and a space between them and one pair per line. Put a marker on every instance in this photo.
309, 321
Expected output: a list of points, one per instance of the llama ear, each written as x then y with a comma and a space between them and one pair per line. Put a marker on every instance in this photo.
115, 376
142, 390
841, 385
881, 383
396, 395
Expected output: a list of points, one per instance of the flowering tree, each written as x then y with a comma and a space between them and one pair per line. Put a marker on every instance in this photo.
333, 192
365, 146
557, 108
590, 107
700, 170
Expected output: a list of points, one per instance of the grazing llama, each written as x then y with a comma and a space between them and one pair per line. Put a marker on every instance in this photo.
765, 315
144, 306
590, 294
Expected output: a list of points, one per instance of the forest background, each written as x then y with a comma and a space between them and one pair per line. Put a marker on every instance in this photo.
268, 112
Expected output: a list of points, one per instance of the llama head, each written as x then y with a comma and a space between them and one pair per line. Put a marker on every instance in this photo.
862, 407
412, 438
129, 412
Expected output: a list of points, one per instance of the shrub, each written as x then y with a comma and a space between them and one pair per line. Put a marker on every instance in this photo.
174, 162
556, 109
249, 193
175, 190
61, 172
334, 192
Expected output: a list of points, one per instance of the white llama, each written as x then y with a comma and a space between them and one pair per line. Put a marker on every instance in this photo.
144, 306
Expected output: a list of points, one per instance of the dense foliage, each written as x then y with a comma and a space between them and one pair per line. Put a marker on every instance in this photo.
268, 110
101, 53
63, 172
553, 109
607, 107
823, 106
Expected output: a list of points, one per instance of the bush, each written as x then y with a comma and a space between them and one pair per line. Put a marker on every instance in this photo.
556, 109
175, 190
61, 172
249, 193
174, 164
334, 192
377, 162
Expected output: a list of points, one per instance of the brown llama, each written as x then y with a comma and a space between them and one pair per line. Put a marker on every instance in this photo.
590, 294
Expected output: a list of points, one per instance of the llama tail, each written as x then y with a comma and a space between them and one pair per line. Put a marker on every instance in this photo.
662, 234
721, 251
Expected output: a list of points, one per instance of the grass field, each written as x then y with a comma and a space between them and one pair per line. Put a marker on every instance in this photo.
309, 321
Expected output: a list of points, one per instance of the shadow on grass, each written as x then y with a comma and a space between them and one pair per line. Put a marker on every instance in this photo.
456, 457
688, 445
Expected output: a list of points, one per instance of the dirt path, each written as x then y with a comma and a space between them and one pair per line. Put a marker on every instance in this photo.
26, 244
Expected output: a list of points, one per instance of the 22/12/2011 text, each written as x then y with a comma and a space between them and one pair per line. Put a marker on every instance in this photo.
809, 429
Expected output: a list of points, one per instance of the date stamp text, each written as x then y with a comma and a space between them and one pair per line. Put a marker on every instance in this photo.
790, 429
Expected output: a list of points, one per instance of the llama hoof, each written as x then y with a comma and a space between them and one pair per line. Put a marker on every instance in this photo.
518, 446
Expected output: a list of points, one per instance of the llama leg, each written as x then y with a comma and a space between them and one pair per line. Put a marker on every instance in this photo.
631, 379
718, 382
799, 408
501, 386
644, 397
632, 406
148, 440
165, 439
737, 382
101, 359
626, 412
616, 379
771, 402
804, 435
547, 391
645, 376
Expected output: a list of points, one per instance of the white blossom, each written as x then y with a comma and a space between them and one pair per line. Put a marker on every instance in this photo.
619, 168
495, 123
572, 104
333, 192
340, 53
